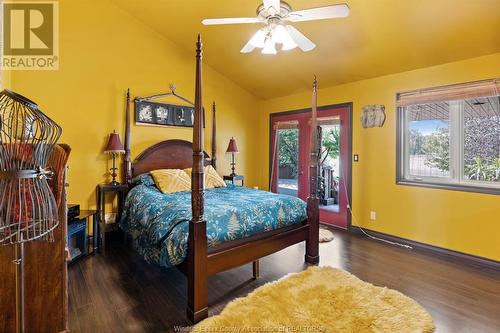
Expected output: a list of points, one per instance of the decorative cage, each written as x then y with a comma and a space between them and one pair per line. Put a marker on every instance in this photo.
28, 210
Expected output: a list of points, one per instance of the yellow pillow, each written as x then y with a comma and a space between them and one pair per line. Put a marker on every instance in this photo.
211, 178
171, 180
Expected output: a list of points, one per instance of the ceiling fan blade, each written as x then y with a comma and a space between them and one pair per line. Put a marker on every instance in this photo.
249, 47
231, 20
272, 3
302, 41
320, 13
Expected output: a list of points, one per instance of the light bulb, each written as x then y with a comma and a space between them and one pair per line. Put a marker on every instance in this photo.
258, 39
269, 47
279, 34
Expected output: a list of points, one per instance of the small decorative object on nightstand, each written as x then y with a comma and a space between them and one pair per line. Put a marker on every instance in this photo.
232, 149
120, 190
234, 178
114, 147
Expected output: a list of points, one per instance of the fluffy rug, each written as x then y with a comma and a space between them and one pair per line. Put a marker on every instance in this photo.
325, 235
321, 299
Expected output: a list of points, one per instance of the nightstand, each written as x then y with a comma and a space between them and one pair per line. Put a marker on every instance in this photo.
119, 190
234, 178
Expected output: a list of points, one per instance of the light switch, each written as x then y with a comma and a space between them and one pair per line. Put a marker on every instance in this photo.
356, 157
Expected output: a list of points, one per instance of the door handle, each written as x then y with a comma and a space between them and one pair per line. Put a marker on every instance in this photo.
301, 173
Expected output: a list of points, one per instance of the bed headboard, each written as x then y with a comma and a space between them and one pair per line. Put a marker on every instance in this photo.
168, 154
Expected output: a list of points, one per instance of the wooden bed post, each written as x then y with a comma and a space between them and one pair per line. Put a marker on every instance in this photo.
197, 245
126, 164
214, 137
312, 243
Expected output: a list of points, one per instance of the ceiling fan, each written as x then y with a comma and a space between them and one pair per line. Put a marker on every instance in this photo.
275, 14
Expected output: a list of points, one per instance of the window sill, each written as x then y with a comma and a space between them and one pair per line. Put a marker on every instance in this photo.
451, 187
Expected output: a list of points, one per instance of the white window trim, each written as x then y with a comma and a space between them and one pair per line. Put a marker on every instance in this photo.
457, 180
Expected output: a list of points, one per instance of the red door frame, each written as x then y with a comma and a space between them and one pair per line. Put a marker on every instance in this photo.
341, 219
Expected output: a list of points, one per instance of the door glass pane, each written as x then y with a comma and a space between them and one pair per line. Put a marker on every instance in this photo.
329, 165
482, 139
288, 155
428, 140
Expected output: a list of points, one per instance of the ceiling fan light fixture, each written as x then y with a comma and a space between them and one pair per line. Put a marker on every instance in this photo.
259, 38
275, 14
279, 34
269, 47
288, 42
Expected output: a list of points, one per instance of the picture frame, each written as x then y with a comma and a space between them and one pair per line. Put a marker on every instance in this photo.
162, 114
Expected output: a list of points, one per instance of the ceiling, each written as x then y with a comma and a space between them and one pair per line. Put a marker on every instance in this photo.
379, 37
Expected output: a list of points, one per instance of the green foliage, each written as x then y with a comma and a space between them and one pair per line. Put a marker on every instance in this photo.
330, 143
477, 170
437, 149
483, 169
417, 140
288, 149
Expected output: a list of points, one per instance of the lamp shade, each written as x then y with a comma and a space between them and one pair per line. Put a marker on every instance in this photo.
114, 145
232, 148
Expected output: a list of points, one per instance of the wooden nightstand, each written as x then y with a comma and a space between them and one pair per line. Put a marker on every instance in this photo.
120, 190
234, 178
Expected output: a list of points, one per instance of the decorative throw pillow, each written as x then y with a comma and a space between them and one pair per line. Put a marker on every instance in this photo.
171, 180
211, 178
144, 179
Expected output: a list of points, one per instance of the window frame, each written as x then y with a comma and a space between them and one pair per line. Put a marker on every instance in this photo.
456, 181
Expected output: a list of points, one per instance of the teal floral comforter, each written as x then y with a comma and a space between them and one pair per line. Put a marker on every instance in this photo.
158, 223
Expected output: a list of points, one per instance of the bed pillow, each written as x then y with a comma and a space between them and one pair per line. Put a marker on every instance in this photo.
171, 180
210, 177
144, 179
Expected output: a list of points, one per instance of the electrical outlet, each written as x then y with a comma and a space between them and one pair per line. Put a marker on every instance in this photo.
373, 216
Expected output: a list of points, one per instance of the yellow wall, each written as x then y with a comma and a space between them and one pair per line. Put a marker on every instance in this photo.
466, 222
5, 78
104, 51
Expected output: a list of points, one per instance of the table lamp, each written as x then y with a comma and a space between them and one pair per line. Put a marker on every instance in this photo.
232, 149
114, 147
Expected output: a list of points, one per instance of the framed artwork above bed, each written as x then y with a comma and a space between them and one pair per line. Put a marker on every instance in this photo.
162, 114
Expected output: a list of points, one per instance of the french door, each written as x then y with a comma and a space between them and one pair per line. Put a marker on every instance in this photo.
290, 157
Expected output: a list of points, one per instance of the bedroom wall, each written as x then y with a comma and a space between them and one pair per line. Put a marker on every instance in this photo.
466, 222
4, 79
104, 51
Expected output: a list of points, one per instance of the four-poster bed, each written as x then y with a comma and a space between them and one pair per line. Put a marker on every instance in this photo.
205, 254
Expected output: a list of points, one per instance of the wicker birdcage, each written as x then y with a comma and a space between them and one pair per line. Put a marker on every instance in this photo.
27, 138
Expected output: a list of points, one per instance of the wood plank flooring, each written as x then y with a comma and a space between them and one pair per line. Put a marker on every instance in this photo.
119, 292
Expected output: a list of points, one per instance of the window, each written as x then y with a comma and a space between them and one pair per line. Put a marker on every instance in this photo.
449, 137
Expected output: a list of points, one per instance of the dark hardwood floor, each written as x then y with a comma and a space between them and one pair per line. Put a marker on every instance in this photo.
119, 292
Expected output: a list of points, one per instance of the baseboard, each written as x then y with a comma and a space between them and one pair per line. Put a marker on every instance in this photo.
332, 226
455, 256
